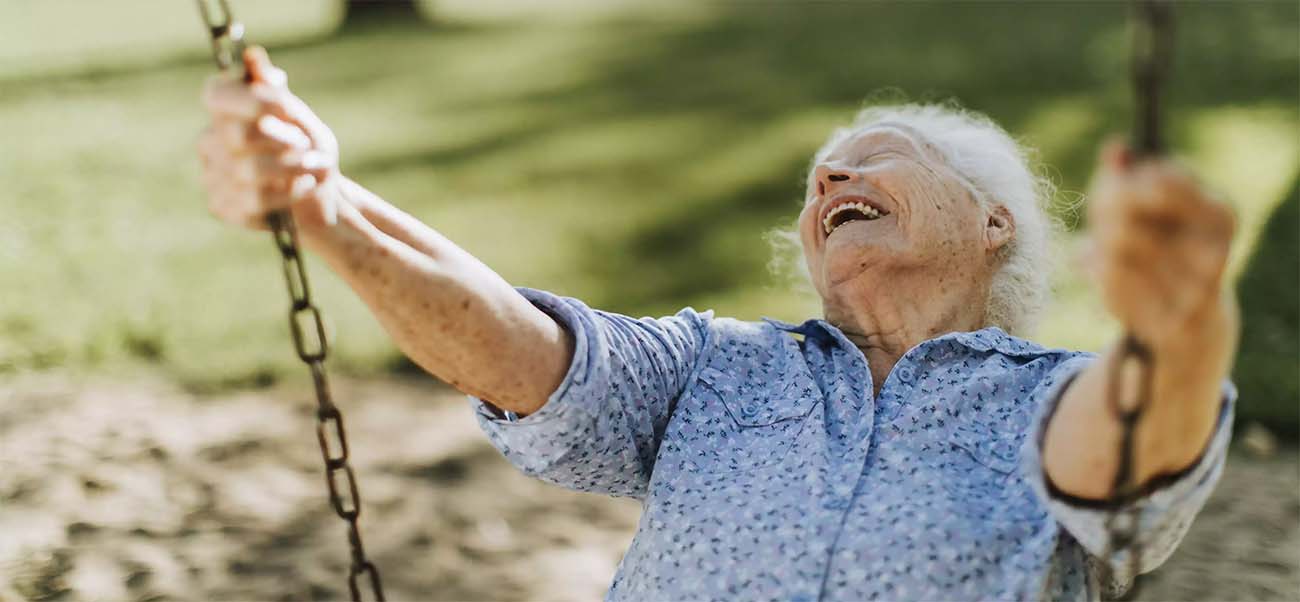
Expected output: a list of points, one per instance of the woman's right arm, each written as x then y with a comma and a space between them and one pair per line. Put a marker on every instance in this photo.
445, 309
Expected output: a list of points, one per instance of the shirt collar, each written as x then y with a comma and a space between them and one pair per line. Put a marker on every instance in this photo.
980, 340
809, 328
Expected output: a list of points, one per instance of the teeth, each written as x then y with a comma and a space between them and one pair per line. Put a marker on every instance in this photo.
864, 208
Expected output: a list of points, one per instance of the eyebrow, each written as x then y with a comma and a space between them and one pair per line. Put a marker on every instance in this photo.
898, 135
861, 149
889, 136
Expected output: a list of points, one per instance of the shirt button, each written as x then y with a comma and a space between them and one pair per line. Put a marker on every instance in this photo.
906, 374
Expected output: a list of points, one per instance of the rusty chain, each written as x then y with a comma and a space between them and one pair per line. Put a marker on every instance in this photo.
1152, 54
308, 331
1132, 360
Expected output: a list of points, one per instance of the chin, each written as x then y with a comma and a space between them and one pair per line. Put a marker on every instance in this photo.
842, 265
848, 258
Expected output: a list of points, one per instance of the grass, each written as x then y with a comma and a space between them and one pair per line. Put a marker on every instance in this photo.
629, 156
1266, 362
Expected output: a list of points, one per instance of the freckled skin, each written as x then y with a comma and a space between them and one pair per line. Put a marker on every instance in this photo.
893, 284
446, 310
917, 273
1160, 248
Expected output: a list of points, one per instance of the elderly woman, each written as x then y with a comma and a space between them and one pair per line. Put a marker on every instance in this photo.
907, 445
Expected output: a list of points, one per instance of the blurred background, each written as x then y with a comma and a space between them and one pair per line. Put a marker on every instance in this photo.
155, 426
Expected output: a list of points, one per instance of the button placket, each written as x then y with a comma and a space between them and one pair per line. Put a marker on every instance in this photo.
898, 388
835, 504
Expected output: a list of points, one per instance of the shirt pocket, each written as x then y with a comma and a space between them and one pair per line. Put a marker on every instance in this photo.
740, 425
981, 472
987, 447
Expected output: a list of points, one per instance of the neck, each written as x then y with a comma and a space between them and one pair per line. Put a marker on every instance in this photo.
886, 321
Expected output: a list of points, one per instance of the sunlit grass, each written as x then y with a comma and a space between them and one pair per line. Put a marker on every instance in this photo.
67, 36
1249, 156
631, 157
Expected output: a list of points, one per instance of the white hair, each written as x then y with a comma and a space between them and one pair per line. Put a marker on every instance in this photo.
997, 171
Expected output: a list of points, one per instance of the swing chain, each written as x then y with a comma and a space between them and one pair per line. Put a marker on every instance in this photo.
309, 340
226, 33
1153, 43
1132, 360
312, 347
1153, 48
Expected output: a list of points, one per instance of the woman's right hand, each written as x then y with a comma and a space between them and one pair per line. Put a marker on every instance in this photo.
266, 150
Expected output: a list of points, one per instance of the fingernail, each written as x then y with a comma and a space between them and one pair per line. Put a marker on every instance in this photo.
277, 77
256, 55
1117, 154
302, 186
1124, 156
260, 69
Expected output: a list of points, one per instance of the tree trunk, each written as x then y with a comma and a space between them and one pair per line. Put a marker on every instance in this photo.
357, 12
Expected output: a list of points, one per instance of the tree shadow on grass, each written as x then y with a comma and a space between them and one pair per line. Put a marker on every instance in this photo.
751, 64
1000, 58
1266, 370
703, 246
1004, 59
102, 71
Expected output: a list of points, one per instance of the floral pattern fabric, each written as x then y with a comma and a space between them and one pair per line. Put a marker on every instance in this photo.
769, 470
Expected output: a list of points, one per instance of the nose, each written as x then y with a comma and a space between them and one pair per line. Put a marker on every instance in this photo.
827, 177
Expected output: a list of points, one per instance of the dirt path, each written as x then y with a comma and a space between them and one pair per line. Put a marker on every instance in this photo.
141, 492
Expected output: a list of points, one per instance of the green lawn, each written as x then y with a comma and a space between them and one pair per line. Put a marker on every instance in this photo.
633, 156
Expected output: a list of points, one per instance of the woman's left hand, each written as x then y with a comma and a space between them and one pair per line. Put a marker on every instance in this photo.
1159, 250
1160, 246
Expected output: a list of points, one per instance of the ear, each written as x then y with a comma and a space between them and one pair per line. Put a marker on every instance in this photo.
999, 228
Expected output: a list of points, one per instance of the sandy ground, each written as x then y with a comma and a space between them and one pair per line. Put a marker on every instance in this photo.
141, 491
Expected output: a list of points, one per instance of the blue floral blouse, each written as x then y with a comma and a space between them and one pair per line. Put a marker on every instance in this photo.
768, 470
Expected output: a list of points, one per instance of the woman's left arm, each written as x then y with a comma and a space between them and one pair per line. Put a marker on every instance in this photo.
1160, 246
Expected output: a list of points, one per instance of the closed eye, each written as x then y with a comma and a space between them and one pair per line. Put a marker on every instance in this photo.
879, 155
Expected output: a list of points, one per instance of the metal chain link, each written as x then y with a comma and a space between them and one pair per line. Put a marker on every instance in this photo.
226, 33
1152, 54
1132, 360
309, 340
1153, 50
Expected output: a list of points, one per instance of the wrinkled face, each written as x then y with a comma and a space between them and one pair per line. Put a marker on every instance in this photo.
885, 201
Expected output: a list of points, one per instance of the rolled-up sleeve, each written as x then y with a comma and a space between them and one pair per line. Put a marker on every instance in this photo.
1163, 515
600, 430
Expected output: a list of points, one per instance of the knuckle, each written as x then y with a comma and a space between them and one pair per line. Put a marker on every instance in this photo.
270, 98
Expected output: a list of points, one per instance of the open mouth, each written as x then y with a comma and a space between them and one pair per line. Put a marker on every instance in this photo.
847, 209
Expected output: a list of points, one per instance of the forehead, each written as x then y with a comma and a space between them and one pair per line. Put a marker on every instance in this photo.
883, 137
